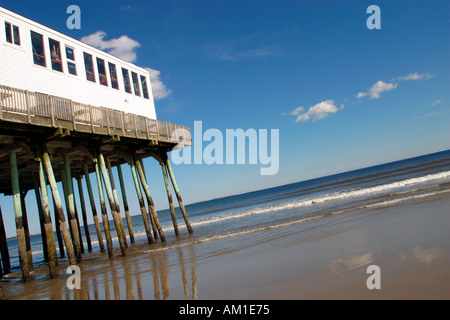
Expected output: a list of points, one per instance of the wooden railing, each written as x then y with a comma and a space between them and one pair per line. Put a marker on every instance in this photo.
47, 110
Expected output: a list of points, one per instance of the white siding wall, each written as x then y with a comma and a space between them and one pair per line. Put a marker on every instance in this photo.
18, 70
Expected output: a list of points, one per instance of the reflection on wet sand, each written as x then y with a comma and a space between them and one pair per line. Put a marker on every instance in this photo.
139, 276
136, 278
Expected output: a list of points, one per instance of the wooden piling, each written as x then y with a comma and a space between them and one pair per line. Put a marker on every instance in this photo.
116, 199
152, 209
26, 229
115, 214
58, 231
177, 192
58, 207
4, 246
104, 211
41, 216
71, 209
150, 204
18, 217
50, 244
77, 218
84, 215
66, 198
71, 217
169, 198
93, 208
125, 203
141, 202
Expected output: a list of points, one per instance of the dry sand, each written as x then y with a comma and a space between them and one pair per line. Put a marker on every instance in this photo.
321, 259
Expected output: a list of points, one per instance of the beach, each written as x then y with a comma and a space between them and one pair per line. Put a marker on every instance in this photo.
324, 258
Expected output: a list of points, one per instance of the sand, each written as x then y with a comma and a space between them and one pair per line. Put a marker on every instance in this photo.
321, 259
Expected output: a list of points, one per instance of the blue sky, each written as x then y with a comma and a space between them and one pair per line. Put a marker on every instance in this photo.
342, 96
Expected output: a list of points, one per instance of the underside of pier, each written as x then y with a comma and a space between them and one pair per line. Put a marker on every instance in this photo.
46, 140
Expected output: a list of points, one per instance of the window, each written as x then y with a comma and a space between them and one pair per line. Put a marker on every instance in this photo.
90, 76
135, 84
144, 87
16, 35
8, 32
126, 80
102, 72
12, 33
113, 75
70, 55
55, 55
37, 44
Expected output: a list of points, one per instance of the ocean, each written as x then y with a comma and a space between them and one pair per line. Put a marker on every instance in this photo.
381, 185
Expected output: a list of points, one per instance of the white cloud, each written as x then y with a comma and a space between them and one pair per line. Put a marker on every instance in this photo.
432, 114
128, 7
159, 89
361, 94
414, 76
256, 53
250, 47
436, 102
381, 86
230, 53
295, 112
122, 47
376, 89
318, 111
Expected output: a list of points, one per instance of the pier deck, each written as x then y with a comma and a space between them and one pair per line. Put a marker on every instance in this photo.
71, 128
47, 139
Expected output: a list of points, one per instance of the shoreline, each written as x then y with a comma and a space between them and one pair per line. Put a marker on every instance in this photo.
319, 259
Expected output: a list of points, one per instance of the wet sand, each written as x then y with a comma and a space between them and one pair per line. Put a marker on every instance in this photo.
325, 258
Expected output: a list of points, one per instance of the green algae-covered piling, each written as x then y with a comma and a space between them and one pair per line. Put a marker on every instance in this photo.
23, 258
125, 203
112, 204
169, 198
177, 192
84, 214
58, 207
50, 244
93, 208
152, 209
141, 203
104, 211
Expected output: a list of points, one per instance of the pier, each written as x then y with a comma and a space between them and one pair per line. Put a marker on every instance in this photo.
47, 140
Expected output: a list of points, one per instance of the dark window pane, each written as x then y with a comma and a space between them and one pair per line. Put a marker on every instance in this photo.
16, 35
8, 32
90, 76
55, 55
102, 72
113, 75
144, 87
126, 80
72, 68
37, 44
135, 84
70, 53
